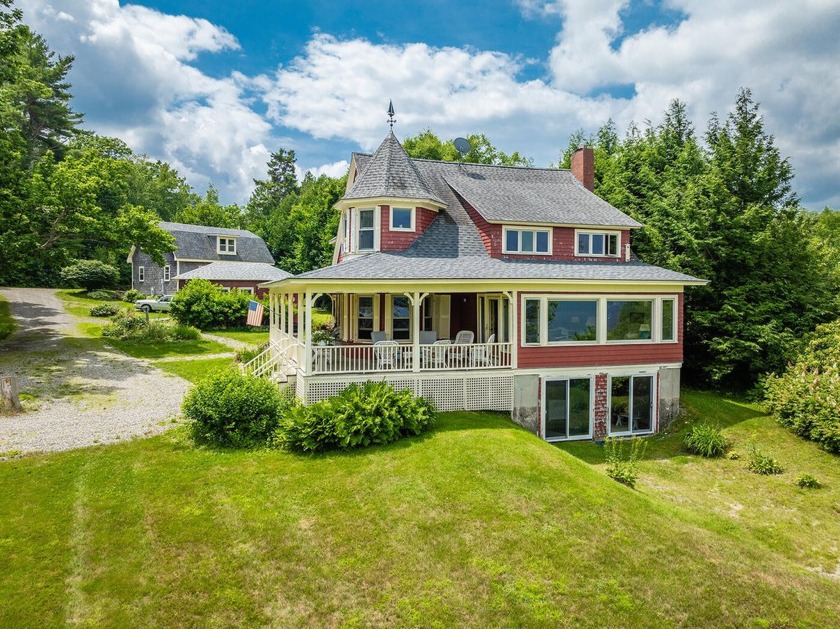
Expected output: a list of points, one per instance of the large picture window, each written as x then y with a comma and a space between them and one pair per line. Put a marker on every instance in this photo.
365, 232
527, 240
572, 320
597, 244
631, 404
629, 320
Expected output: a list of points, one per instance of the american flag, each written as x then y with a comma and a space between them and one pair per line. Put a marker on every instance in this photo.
255, 313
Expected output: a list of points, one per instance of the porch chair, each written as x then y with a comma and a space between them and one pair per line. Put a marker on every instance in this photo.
464, 337
482, 354
376, 337
437, 355
427, 337
386, 354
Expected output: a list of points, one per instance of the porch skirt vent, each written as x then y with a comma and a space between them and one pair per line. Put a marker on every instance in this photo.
450, 393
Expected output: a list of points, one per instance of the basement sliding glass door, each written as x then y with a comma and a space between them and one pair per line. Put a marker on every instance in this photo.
567, 408
631, 404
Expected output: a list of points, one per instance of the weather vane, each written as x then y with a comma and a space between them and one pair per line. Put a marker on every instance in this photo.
391, 119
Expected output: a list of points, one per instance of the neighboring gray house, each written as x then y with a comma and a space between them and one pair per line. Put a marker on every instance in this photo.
196, 246
244, 276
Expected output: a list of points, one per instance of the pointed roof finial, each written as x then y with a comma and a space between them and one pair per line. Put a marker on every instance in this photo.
391, 119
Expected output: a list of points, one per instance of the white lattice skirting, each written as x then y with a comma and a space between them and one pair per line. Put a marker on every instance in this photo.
448, 393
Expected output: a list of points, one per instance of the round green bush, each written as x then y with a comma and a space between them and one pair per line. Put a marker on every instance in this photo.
104, 310
360, 416
133, 295
706, 440
206, 306
90, 274
102, 295
231, 409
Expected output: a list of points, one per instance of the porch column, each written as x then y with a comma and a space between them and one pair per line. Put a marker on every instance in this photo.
307, 332
290, 314
281, 312
514, 327
416, 299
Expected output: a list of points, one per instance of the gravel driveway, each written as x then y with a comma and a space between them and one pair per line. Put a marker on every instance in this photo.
75, 391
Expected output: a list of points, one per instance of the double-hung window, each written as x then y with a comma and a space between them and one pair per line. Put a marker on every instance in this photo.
520, 240
401, 318
365, 232
597, 244
141, 274
365, 318
167, 273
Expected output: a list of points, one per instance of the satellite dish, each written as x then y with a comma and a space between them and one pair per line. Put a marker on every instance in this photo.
463, 146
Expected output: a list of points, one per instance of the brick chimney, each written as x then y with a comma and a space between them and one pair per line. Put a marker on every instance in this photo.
583, 167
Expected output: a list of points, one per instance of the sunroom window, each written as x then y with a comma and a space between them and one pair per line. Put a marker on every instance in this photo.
572, 320
597, 244
629, 320
518, 240
668, 328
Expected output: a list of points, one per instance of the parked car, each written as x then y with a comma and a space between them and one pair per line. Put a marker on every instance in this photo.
162, 303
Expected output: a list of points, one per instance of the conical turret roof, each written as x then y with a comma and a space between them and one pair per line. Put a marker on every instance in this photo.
390, 172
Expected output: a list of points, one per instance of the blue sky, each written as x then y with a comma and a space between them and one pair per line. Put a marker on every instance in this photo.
214, 86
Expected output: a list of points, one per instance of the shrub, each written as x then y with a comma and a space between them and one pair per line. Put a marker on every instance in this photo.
90, 274
130, 326
206, 306
231, 409
104, 310
706, 440
133, 295
806, 481
761, 463
360, 416
806, 398
102, 295
623, 466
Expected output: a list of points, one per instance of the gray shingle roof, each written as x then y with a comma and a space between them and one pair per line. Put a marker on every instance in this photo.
390, 172
251, 271
399, 266
532, 195
198, 242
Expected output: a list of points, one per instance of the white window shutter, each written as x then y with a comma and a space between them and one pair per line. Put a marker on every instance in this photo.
441, 312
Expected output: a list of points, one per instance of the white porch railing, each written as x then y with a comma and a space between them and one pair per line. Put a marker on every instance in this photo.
285, 351
337, 359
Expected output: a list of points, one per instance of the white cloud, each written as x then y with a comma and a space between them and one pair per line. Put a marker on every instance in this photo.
133, 79
336, 169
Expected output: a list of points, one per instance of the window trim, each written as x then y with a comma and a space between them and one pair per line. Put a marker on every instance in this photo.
605, 233
167, 273
544, 407
389, 318
226, 250
357, 229
654, 322
355, 315
412, 226
654, 402
661, 320
509, 228
141, 273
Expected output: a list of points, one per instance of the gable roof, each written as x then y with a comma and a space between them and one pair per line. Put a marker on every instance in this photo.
250, 271
198, 242
390, 172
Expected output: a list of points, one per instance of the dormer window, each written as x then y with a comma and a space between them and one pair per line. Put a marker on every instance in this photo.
402, 219
527, 241
226, 246
596, 244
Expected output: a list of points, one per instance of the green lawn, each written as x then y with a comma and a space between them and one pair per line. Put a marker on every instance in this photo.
7, 323
255, 337
476, 524
194, 370
164, 350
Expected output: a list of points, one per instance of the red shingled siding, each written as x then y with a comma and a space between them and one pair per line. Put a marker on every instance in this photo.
400, 240
530, 357
562, 246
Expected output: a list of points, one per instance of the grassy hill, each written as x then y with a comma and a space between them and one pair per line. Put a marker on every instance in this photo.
475, 524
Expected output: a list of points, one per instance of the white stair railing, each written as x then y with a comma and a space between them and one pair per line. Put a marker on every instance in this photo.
265, 363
